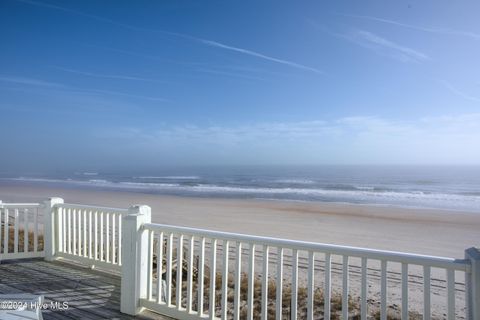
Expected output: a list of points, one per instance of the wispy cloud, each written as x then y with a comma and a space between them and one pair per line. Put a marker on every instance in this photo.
356, 139
230, 74
347, 127
30, 81
384, 46
80, 13
258, 55
419, 28
105, 76
207, 42
33, 82
458, 92
109, 92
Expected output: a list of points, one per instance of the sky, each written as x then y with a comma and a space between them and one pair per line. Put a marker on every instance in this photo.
92, 85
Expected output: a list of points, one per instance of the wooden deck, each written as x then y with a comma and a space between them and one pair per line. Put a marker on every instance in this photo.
90, 294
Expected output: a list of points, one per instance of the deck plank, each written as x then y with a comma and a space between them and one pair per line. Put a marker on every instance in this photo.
91, 294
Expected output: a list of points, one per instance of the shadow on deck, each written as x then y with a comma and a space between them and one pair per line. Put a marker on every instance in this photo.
90, 294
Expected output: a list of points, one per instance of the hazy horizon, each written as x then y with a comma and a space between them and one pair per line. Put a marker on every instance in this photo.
109, 169
106, 86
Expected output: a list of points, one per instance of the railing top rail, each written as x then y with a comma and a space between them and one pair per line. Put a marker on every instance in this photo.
90, 207
19, 205
391, 256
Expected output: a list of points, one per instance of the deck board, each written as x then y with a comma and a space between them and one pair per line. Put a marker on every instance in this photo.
91, 294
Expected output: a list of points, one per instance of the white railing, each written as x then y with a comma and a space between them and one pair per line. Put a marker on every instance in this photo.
89, 234
21, 231
258, 267
189, 273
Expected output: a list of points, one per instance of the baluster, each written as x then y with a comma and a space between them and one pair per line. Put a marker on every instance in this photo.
201, 273
251, 281
279, 284
293, 307
238, 275
363, 294
426, 293
60, 229
35, 230
95, 235
90, 238
213, 273
114, 247
119, 239
25, 230
6, 232
169, 269
159, 267
63, 232
345, 288
107, 234
191, 248
266, 250
69, 231
15, 236
79, 217
149, 265
311, 284
84, 226
225, 280
102, 258
404, 291
451, 294
74, 216
179, 271
383, 291
328, 285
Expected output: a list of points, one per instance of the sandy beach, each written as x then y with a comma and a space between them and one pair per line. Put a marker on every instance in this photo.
423, 231
431, 232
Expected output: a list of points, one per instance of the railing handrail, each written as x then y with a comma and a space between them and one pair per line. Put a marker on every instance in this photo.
390, 256
90, 207
20, 205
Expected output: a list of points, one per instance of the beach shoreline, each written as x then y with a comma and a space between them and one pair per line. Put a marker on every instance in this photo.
423, 231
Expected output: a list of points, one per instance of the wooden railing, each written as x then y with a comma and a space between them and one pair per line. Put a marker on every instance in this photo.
189, 273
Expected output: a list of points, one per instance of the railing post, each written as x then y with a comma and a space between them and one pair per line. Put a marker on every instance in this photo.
49, 231
472, 282
134, 259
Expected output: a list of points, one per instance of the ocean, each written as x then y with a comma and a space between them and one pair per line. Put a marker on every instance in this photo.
437, 187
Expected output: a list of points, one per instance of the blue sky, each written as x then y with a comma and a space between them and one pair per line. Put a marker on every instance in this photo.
104, 84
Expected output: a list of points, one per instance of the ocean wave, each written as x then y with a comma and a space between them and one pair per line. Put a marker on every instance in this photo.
369, 188
147, 184
86, 173
38, 179
99, 181
169, 177
295, 181
358, 194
